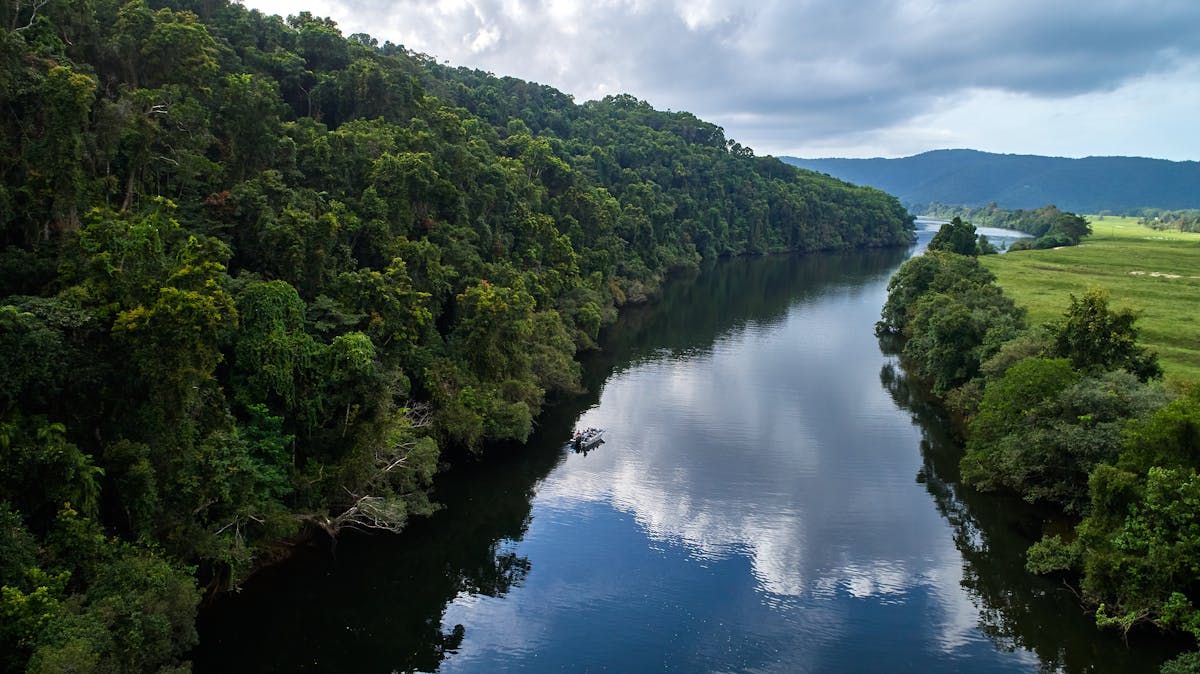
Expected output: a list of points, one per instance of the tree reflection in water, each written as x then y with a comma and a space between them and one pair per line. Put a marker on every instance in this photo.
377, 601
376, 604
1017, 610
380, 603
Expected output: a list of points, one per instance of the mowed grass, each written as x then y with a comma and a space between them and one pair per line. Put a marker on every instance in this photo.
1155, 273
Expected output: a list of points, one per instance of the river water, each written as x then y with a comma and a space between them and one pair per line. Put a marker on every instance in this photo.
771, 496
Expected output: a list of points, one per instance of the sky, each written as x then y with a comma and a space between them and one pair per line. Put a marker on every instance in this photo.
841, 78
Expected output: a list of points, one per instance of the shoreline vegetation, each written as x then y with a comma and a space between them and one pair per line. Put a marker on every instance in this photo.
257, 277
1048, 226
1064, 405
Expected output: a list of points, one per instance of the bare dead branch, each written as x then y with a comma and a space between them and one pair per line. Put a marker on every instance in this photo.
35, 5
419, 414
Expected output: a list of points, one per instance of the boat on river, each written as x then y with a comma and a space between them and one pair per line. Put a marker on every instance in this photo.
587, 438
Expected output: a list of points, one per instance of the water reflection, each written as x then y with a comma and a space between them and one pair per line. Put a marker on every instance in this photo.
998, 236
375, 603
1016, 610
752, 509
766, 472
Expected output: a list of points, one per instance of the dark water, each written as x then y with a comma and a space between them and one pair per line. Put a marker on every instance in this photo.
772, 496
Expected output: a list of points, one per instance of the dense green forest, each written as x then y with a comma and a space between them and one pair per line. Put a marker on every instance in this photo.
1119, 185
1049, 226
259, 277
1073, 415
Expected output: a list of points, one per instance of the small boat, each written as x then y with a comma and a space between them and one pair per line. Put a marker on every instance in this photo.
587, 438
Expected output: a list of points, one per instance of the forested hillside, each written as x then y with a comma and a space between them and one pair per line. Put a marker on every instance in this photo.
257, 276
1122, 185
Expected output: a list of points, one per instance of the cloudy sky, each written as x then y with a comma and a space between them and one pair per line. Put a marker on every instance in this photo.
854, 78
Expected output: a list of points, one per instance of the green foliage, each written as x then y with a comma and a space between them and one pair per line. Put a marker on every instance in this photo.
1169, 438
952, 313
267, 449
552, 361
1096, 338
256, 274
1188, 663
1183, 220
1138, 546
1065, 416
1027, 344
30, 352
1019, 393
391, 312
1052, 555
494, 323
135, 482
951, 334
956, 236
1035, 222
1049, 226
27, 616
96, 604
272, 348
249, 117
933, 272
40, 469
1043, 427
138, 615
18, 549
1141, 545
1070, 228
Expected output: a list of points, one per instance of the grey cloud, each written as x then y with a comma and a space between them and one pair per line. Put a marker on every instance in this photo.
805, 69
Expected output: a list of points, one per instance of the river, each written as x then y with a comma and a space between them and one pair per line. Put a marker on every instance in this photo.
771, 496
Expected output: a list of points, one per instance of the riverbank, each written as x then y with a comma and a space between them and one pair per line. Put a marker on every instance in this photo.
772, 494
1067, 414
628, 317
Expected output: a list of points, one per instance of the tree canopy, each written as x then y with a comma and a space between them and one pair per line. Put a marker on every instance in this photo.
256, 276
956, 236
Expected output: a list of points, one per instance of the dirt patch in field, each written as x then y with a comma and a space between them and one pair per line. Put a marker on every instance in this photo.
1158, 274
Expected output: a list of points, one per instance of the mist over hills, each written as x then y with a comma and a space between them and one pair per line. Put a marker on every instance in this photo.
974, 178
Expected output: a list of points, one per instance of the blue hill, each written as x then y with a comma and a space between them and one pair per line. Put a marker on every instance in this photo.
973, 178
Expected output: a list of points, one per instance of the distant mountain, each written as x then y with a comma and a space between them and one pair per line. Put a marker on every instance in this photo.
974, 178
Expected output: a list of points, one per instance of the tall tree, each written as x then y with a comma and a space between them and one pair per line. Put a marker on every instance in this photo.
1097, 338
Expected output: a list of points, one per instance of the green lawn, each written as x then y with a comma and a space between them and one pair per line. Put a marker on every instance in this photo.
1155, 273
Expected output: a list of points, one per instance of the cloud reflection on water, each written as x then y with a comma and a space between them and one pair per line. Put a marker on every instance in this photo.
754, 507
777, 445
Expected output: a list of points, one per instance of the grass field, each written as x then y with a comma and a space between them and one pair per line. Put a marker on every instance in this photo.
1154, 273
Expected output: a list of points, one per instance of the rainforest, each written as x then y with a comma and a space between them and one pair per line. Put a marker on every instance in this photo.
260, 280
